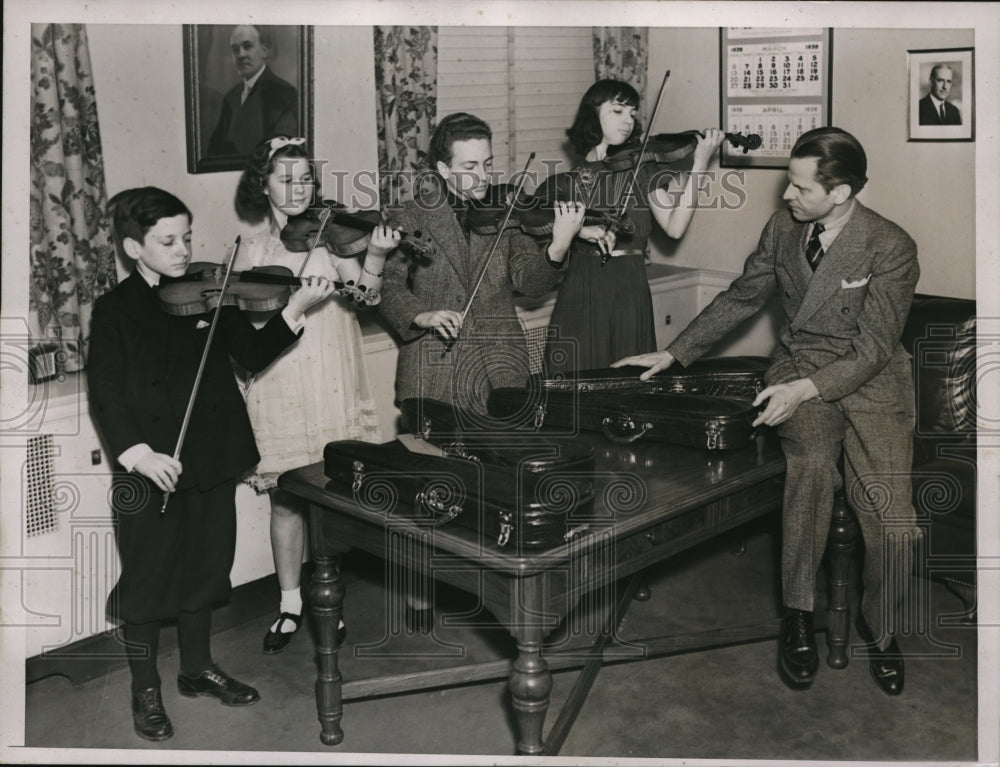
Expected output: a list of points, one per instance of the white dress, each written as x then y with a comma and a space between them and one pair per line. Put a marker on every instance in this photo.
316, 392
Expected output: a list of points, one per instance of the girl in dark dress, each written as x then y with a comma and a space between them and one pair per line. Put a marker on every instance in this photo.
604, 310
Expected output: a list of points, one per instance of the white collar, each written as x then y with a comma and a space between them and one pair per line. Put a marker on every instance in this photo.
249, 84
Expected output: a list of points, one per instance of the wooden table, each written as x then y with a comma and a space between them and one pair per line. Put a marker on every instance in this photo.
653, 501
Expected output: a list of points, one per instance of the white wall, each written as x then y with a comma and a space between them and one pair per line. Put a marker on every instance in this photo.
138, 78
928, 188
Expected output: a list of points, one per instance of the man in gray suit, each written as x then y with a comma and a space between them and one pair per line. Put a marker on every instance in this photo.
839, 386
934, 108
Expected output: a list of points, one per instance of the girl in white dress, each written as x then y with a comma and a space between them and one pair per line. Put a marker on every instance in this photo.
318, 391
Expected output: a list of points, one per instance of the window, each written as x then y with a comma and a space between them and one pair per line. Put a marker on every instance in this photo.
526, 82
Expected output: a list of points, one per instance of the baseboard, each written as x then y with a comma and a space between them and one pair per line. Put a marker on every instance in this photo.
96, 655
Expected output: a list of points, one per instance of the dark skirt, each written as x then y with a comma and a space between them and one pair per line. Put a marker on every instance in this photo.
176, 561
602, 313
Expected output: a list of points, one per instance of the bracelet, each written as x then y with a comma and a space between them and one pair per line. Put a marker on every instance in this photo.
365, 270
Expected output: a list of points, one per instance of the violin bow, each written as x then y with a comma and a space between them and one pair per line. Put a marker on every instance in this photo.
324, 217
493, 250
201, 366
627, 190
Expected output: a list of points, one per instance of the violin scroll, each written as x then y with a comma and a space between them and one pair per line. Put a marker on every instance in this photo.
747, 143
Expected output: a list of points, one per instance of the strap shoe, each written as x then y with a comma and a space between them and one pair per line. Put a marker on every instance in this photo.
886, 665
275, 640
148, 715
217, 683
799, 657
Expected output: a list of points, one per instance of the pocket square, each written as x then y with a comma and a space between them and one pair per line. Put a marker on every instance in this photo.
202, 324
847, 284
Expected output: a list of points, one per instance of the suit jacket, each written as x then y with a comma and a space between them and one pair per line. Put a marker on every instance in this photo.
842, 324
491, 351
930, 116
141, 369
271, 109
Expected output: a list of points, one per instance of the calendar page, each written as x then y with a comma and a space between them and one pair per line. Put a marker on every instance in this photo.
776, 85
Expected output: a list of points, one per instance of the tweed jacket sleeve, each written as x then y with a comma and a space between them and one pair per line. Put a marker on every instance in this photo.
531, 272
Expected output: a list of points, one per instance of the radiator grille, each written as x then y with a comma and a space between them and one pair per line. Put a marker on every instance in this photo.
40, 516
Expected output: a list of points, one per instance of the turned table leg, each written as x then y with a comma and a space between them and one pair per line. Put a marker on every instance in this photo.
326, 595
840, 546
530, 685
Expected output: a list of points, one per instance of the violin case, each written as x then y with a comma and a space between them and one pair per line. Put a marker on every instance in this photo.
706, 405
520, 491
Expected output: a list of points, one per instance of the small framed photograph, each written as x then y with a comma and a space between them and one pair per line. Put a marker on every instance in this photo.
244, 83
942, 96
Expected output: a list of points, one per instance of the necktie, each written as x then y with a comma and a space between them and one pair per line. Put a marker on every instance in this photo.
942, 112
814, 249
246, 92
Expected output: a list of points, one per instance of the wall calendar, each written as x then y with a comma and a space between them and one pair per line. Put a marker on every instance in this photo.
775, 83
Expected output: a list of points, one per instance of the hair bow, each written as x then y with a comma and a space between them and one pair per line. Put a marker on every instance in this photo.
281, 141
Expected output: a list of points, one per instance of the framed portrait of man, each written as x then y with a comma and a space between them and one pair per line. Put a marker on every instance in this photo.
244, 83
942, 100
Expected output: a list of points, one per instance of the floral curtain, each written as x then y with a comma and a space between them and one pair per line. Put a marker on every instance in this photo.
71, 256
622, 53
405, 105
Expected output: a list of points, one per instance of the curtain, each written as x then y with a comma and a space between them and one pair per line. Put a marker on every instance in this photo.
405, 105
71, 256
622, 53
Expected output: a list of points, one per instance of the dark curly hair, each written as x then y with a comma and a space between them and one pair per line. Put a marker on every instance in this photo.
252, 205
133, 212
585, 133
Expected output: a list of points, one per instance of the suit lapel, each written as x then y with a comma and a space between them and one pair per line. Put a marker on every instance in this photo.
443, 225
848, 249
795, 264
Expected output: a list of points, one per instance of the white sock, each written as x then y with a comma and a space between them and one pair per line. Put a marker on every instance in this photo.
291, 602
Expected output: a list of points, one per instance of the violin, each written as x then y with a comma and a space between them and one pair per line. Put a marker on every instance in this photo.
345, 234
667, 148
261, 289
533, 214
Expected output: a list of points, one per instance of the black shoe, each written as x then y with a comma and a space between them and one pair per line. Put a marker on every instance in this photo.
799, 657
215, 682
419, 621
886, 665
276, 641
148, 715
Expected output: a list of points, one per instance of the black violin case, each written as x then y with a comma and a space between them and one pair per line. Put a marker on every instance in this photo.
707, 404
520, 490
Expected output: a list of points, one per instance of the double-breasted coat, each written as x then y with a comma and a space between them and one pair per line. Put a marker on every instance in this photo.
842, 327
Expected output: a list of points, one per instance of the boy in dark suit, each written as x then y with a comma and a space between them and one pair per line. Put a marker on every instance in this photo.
840, 386
141, 371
